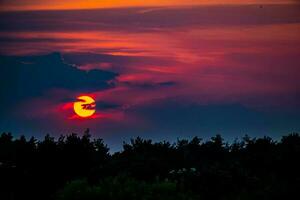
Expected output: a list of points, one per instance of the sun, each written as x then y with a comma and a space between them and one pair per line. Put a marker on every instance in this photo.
84, 106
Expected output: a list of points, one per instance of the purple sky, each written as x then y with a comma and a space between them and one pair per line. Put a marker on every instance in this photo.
160, 73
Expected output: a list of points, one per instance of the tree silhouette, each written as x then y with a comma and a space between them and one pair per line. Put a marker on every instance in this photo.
80, 167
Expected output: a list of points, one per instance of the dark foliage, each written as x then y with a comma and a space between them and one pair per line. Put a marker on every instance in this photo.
74, 167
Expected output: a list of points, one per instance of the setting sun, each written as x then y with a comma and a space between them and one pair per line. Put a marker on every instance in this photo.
84, 106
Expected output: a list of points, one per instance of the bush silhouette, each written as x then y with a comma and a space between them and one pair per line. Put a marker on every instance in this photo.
122, 187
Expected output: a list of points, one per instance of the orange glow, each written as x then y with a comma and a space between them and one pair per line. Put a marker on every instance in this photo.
85, 106
90, 4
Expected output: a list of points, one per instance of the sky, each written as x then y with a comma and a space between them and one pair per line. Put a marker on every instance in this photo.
158, 69
91, 4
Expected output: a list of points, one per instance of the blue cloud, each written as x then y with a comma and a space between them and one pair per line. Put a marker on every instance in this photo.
30, 76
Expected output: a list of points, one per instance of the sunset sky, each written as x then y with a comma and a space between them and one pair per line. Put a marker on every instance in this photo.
157, 69
83, 4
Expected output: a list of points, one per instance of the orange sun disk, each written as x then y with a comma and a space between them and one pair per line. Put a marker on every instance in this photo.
84, 106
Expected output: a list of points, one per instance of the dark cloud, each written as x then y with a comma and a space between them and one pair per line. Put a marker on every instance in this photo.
150, 85
167, 83
103, 105
32, 76
135, 19
118, 63
8, 40
175, 117
172, 114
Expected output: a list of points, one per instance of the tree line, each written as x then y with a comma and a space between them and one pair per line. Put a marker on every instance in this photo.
79, 167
